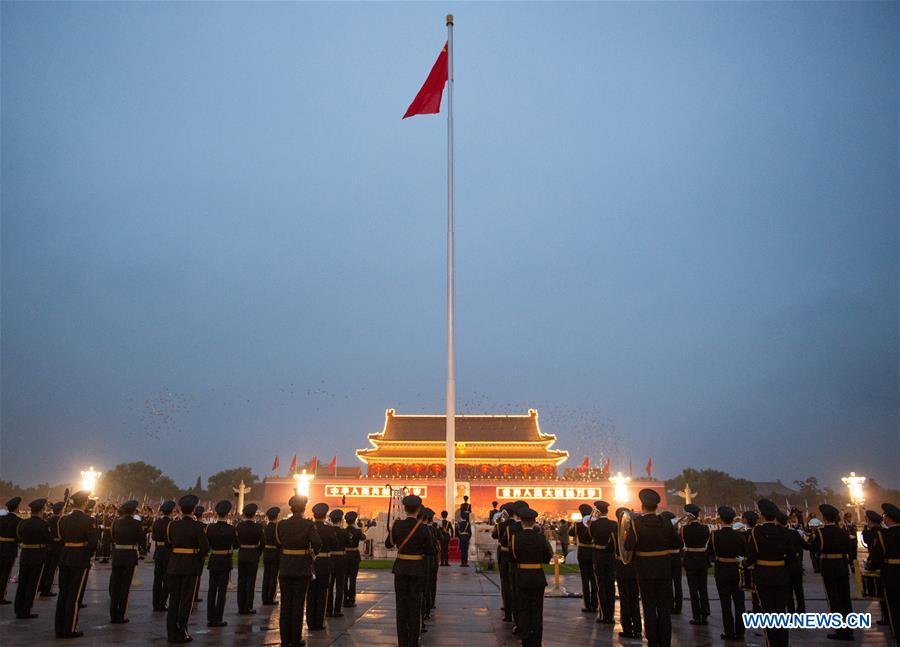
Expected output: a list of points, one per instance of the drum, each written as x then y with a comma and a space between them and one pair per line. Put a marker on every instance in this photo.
871, 585
745, 578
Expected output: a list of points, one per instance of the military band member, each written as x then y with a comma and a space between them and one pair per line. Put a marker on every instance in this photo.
873, 584
433, 562
884, 556
769, 550
465, 506
250, 538
79, 540
446, 528
514, 527
413, 543
797, 599
676, 558
626, 579
104, 520
223, 541
9, 544
34, 535
318, 587
726, 548
492, 515
189, 547
695, 537
582, 533
501, 534
750, 519
147, 525
54, 548
337, 585
602, 532
464, 532
161, 554
127, 538
297, 539
833, 546
353, 557
270, 557
530, 551
652, 538
198, 518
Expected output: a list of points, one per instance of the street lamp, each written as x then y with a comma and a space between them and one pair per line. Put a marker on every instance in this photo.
303, 479
854, 485
89, 479
620, 487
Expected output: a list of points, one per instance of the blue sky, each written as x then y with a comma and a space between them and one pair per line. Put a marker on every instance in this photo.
677, 231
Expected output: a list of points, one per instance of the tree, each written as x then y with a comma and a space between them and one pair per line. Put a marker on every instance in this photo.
135, 480
221, 483
713, 487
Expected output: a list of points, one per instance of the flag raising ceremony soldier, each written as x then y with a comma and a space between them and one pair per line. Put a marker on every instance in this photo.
223, 541
582, 533
161, 554
433, 562
695, 537
602, 532
652, 539
513, 528
464, 533
769, 550
676, 554
750, 519
250, 538
797, 599
34, 535
79, 540
884, 556
297, 538
54, 548
832, 544
318, 587
270, 557
872, 584
413, 543
530, 551
337, 585
726, 548
500, 532
189, 548
127, 538
9, 544
465, 506
446, 527
198, 518
626, 578
353, 557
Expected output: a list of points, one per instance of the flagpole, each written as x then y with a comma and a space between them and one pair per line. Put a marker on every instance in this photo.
451, 362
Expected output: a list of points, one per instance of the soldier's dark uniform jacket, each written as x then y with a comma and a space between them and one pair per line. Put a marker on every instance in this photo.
161, 552
297, 539
9, 547
695, 537
223, 540
357, 536
410, 573
128, 540
884, 556
318, 589
189, 547
603, 531
530, 551
270, 552
501, 533
832, 544
79, 538
54, 548
34, 535
770, 551
250, 538
585, 556
726, 545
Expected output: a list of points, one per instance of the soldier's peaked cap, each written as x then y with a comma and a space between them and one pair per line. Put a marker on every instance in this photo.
692, 508
412, 501
351, 517
829, 511
58, 507
38, 504
298, 501
13, 503
320, 510
129, 507
890, 510
80, 497
584, 509
602, 506
750, 515
528, 514
727, 513
223, 507
273, 512
199, 510
667, 514
649, 497
767, 508
336, 515
167, 507
873, 516
188, 501
250, 509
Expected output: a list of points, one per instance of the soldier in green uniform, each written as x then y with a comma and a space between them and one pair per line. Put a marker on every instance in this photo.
446, 527
695, 537
34, 535
626, 579
530, 550
726, 548
270, 557
223, 541
464, 533
79, 540
770, 551
413, 543
884, 556
161, 555
189, 548
581, 531
318, 588
297, 538
127, 538
353, 558
830, 541
9, 544
602, 532
54, 548
652, 540
337, 586
250, 538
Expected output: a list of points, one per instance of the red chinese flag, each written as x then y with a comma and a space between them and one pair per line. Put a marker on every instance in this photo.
428, 101
313, 464
584, 464
608, 467
294, 463
650, 466
275, 464
333, 465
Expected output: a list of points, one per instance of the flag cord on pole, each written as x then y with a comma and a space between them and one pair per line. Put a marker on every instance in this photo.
451, 364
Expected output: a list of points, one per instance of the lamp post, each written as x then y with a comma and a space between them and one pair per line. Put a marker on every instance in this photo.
620, 487
89, 479
302, 483
854, 485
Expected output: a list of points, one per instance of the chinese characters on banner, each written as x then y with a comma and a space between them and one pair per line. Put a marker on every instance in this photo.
548, 493
351, 491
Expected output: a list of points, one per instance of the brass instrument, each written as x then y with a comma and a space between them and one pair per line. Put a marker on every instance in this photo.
625, 526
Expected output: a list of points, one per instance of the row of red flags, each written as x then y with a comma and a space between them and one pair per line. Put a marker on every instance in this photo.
586, 464
313, 464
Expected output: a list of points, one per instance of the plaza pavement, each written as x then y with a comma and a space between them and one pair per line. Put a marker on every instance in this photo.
467, 614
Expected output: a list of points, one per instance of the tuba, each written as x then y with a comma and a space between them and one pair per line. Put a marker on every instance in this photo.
625, 526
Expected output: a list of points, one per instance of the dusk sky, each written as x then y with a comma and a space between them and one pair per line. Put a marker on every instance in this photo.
677, 232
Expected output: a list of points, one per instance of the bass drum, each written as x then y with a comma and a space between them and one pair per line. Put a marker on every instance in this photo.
871, 585
745, 578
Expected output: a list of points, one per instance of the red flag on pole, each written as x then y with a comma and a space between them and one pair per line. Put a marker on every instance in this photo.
428, 101
650, 466
333, 465
313, 464
608, 467
584, 464
275, 464
294, 463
